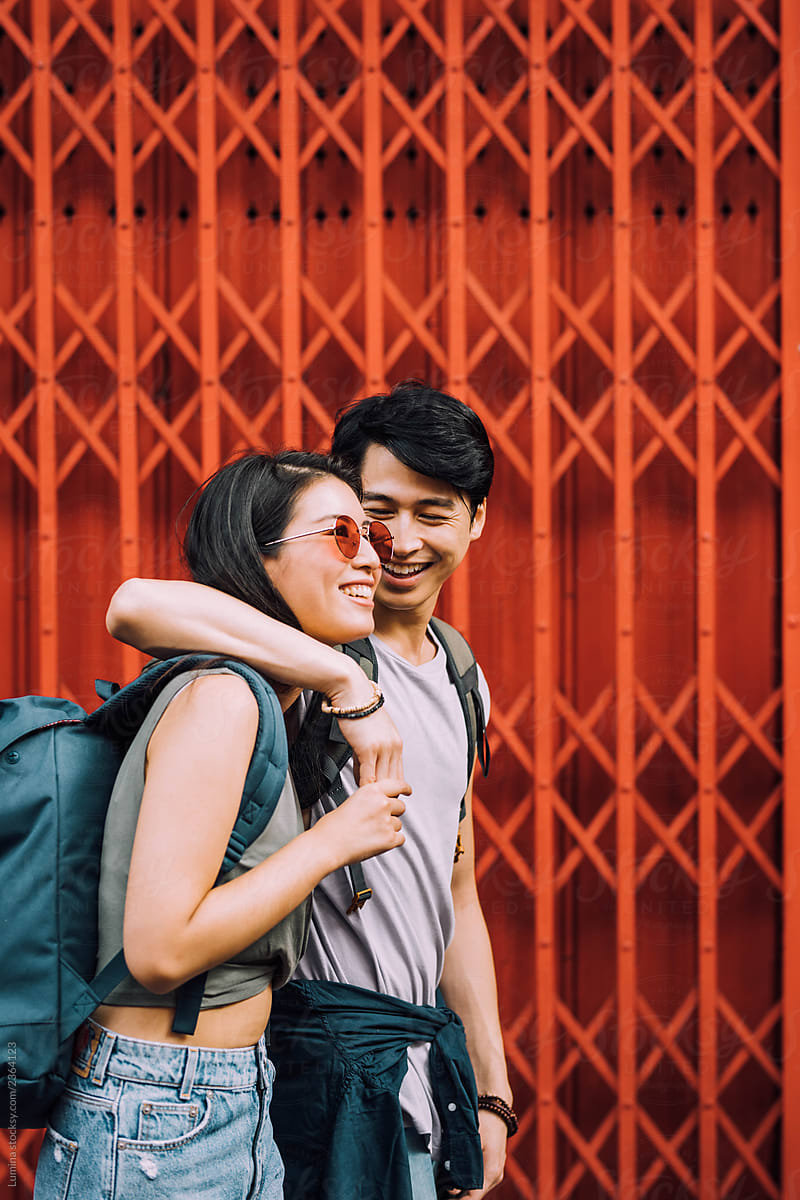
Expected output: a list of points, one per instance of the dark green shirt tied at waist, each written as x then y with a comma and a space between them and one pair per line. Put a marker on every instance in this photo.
340, 1054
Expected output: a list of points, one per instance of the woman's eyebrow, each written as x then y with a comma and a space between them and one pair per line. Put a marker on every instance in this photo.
327, 517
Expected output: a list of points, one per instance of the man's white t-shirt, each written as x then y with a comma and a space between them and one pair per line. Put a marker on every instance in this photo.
397, 941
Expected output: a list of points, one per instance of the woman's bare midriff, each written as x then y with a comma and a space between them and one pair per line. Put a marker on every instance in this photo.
230, 1026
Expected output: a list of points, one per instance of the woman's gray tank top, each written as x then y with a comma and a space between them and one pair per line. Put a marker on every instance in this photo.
270, 960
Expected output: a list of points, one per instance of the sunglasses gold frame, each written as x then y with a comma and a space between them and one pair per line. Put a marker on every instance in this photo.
376, 533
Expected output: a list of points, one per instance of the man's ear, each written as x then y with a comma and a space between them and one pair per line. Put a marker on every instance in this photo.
478, 522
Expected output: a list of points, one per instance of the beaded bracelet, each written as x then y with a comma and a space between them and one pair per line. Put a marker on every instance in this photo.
358, 710
501, 1109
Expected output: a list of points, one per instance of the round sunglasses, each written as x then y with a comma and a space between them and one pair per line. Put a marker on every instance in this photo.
348, 537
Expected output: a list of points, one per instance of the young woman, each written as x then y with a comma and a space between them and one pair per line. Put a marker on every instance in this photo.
148, 1112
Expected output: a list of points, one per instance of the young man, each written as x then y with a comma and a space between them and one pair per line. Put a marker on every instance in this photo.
370, 976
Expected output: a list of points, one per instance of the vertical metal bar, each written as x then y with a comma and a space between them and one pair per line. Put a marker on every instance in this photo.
207, 236
790, 339
624, 553
373, 200
706, 599
456, 246
45, 350
291, 263
546, 964
126, 307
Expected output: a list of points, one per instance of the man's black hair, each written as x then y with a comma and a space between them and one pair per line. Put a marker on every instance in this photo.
429, 431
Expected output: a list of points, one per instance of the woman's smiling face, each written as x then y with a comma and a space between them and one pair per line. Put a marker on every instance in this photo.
331, 596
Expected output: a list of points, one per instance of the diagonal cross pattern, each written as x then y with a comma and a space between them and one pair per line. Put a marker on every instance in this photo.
579, 218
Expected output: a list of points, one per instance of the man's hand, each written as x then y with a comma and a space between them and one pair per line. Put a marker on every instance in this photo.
377, 748
494, 1136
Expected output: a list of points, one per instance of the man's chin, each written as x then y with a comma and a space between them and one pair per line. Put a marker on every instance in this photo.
397, 598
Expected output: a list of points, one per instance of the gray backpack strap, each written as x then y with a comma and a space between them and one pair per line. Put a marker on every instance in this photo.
463, 672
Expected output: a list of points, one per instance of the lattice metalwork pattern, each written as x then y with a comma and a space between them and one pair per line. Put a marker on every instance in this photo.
221, 221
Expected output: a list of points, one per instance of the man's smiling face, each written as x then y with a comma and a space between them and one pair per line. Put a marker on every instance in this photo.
430, 523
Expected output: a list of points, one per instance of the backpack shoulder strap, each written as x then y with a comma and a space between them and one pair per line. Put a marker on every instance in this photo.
363, 651
463, 672
266, 774
123, 713
321, 745
320, 737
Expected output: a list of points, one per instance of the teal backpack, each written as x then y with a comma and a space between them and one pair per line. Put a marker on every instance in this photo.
57, 770
321, 746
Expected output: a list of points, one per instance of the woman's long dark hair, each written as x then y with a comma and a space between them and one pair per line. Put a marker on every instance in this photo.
244, 505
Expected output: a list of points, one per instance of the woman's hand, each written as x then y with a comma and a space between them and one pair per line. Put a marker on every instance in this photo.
368, 823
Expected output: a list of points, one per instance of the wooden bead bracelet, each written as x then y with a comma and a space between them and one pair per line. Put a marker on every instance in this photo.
358, 710
501, 1109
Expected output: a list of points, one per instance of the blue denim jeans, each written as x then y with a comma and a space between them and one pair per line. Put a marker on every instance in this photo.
151, 1121
421, 1167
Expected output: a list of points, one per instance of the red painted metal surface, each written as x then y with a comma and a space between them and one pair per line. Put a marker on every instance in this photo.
790, 580
622, 186
220, 222
540, 1073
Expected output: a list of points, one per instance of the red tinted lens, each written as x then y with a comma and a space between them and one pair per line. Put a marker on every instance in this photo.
381, 540
347, 535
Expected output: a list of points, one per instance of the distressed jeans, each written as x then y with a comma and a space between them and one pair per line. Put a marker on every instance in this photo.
152, 1121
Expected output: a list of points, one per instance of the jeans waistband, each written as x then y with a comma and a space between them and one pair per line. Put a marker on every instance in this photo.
101, 1053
